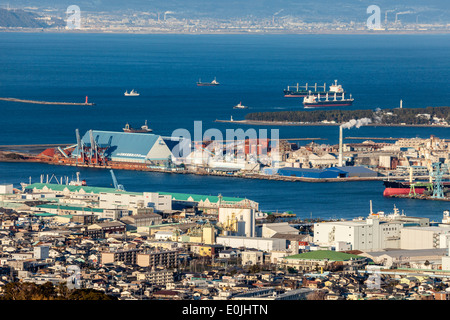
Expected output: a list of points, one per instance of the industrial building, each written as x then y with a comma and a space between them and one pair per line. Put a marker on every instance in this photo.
328, 173
264, 244
311, 173
99, 147
325, 259
237, 221
424, 237
207, 203
372, 233
104, 198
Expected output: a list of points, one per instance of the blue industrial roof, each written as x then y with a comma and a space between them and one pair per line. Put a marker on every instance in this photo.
310, 173
354, 169
122, 144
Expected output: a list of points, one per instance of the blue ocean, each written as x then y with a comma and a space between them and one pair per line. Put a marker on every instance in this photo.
378, 70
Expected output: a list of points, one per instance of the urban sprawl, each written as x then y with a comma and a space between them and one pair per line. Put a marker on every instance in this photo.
163, 245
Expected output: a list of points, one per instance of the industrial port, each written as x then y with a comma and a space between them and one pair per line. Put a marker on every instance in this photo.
391, 160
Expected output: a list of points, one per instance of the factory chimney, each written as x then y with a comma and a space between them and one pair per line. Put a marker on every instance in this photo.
340, 146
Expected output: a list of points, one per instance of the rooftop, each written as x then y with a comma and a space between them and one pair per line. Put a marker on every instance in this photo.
325, 254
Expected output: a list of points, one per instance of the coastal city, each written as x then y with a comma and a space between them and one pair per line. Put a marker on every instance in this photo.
292, 186
157, 245
182, 246
167, 21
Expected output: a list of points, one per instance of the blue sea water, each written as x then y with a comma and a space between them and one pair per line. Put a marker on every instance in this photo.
378, 70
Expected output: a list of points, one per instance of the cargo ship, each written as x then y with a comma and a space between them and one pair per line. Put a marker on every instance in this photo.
301, 93
395, 187
207, 84
312, 101
143, 128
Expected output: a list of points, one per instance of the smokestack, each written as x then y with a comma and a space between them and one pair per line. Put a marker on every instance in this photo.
340, 146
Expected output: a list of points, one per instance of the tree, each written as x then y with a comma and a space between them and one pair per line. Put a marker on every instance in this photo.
89, 294
316, 295
47, 291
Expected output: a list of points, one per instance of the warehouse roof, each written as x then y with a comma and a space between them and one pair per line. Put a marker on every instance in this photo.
324, 254
86, 189
96, 190
197, 197
69, 208
123, 144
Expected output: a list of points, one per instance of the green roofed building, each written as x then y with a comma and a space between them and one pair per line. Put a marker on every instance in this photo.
324, 260
209, 203
160, 201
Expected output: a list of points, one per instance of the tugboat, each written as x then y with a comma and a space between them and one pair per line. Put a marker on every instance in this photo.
207, 84
311, 101
143, 129
240, 106
132, 93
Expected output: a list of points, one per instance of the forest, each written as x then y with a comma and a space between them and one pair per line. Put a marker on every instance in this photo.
423, 116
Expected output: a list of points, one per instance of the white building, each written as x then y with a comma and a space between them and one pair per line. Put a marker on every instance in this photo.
369, 234
270, 229
264, 244
251, 257
135, 200
414, 238
6, 188
41, 252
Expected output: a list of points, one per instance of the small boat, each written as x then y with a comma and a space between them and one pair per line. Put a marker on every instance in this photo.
78, 182
207, 84
132, 93
143, 128
240, 106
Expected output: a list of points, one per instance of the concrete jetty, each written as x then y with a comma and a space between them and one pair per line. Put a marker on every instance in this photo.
48, 102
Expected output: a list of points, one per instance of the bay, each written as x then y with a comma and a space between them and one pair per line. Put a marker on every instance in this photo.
379, 71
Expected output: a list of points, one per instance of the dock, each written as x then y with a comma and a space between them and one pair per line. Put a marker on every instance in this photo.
31, 149
48, 102
371, 138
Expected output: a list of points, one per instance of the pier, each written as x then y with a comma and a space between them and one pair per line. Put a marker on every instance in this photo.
48, 102
30, 148
371, 138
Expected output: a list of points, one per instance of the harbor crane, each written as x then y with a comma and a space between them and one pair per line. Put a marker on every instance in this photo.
117, 186
439, 169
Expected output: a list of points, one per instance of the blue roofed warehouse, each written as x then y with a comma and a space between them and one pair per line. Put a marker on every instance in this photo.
128, 147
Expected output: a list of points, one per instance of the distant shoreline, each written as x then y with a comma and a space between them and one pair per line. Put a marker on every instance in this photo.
315, 124
256, 32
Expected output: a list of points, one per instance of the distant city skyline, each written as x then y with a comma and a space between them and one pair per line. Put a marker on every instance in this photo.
434, 11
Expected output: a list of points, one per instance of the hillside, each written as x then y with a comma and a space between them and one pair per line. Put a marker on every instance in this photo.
307, 10
18, 18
